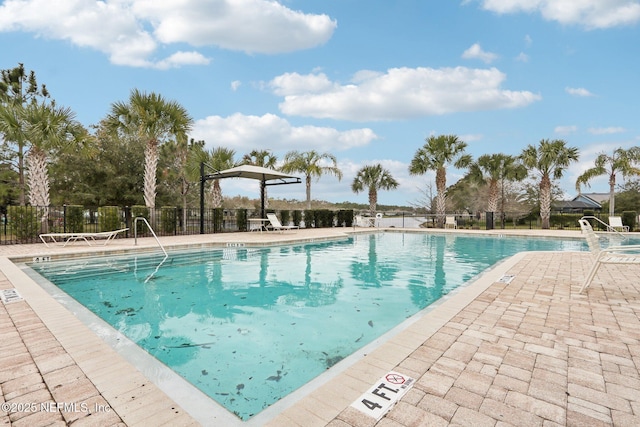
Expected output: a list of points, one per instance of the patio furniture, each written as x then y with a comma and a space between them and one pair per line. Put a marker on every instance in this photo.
275, 223
258, 224
625, 254
364, 221
615, 222
66, 238
450, 221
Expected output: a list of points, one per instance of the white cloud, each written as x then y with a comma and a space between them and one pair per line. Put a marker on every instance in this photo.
179, 59
471, 137
606, 131
476, 52
399, 93
522, 57
256, 26
565, 129
270, 132
579, 91
130, 31
587, 13
528, 41
294, 83
235, 85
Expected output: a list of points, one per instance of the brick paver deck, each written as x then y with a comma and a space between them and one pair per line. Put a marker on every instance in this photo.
532, 352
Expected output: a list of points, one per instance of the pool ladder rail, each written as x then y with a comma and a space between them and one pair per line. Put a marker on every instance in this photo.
612, 231
135, 233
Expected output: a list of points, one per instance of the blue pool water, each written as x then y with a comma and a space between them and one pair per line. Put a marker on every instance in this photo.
248, 326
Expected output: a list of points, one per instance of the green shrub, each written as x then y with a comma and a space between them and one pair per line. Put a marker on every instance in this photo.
24, 221
318, 218
326, 218
297, 218
345, 217
629, 218
74, 218
284, 217
168, 219
109, 218
218, 214
309, 218
241, 219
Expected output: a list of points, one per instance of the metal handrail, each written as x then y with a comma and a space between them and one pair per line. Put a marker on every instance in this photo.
609, 228
135, 232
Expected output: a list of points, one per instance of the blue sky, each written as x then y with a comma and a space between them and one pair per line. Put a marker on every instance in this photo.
367, 80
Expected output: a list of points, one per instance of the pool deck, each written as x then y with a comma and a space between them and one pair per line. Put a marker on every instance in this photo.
532, 352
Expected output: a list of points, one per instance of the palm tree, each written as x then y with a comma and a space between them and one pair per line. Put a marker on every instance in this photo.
550, 159
264, 159
437, 153
495, 169
17, 90
310, 164
218, 159
621, 161
374, 178
154, 120
184, 168
49, 128
42, 129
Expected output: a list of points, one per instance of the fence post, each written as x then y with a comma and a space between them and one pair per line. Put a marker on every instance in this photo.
489, 220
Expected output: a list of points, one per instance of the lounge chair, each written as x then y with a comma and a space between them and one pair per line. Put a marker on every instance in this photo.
615, 223
364, 221
275, 223
450, 221
67, 238
626, 254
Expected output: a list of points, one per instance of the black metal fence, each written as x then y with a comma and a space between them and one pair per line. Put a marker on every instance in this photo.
525, 220
24, 224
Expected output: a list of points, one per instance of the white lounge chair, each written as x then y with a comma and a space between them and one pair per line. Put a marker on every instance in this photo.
66, 238
450, 221
275, 223
615, 223
364, 221
626, 254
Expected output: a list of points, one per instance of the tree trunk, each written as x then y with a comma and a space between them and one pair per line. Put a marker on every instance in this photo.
216, 194
38, 181
22, 201
150, 169
545, 201
612, 195
373, 200
185, 190
308, 182
441, 188
492, 204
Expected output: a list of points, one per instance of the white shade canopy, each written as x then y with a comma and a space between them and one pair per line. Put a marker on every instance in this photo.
266, 177
255, 172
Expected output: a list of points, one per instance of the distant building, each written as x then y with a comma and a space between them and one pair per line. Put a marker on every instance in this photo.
582, 202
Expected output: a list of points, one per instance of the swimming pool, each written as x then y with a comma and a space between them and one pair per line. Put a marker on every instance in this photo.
249, 325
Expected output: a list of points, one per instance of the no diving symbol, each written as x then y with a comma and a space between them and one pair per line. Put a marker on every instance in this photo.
395, 378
